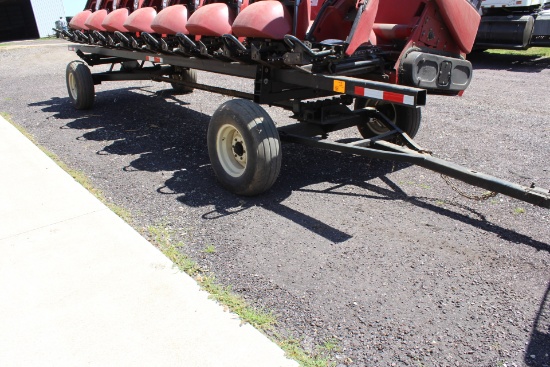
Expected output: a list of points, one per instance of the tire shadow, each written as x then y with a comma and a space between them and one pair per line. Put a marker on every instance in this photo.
537, 353
163, 136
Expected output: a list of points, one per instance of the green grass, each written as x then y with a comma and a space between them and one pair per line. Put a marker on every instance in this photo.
331, 345
321, 357
210, 249
533, 51
162, 238
519, 211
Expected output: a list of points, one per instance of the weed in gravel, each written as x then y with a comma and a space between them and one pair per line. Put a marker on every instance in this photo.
120, 211
162, 238
409, 183
259, 318
294, 350
331, 345
210, 249
519, 211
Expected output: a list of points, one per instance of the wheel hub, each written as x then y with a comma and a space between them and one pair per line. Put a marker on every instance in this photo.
377, 126
238, 149
231, 150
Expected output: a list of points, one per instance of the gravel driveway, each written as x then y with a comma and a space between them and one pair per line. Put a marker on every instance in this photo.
386, 258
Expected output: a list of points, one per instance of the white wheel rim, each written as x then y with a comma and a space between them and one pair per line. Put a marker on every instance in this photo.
232, 151
72, 86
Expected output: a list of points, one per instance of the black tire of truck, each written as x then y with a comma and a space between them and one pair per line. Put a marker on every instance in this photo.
185, 75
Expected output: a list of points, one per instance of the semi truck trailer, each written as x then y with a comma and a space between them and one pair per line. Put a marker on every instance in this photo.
514, 24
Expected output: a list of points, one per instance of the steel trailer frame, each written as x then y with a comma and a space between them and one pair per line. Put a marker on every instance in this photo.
288, 88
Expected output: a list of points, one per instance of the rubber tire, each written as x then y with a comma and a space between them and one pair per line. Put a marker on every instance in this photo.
407, 118
187, 75
261, 140
83, 84
129, 66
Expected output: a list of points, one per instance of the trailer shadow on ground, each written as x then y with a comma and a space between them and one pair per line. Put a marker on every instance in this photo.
163, 136
537, 351
518, 63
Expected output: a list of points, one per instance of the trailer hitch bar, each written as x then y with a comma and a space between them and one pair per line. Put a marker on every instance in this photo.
380, 149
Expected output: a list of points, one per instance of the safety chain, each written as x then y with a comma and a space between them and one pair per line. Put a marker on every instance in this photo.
486, 196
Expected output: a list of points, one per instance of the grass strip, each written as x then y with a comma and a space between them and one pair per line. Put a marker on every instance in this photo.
162, 236
533, 51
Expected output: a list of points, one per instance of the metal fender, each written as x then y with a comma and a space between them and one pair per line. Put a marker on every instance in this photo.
171, 20
211, 20
95, 19
140, 20
462, 20
114, 21
263, 19
79, 20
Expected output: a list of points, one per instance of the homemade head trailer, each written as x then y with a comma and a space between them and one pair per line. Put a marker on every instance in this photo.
335, 64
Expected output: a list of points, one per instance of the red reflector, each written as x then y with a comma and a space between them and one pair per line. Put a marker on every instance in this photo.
394, 97
153, 59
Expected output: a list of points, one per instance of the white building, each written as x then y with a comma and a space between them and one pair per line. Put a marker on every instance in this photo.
24, 19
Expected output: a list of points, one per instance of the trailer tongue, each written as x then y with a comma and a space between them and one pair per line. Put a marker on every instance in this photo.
380, 149
335, 64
